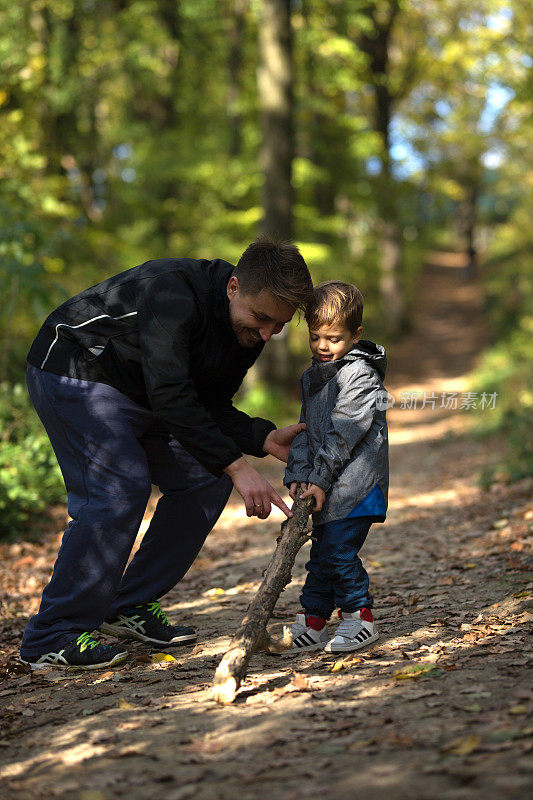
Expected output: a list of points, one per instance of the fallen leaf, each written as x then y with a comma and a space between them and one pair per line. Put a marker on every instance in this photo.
92, 794
417, 671
124, 703
399, 740
337, 666
158, 657
515, 710
204, 747
353, 660
502, 735
446, 580
101, 691
105, 676
53, 675
363, 743
462, 747
474, 707
300, 681
419, 694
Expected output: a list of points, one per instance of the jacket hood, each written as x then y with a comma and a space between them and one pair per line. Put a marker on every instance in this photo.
321, 372
371, 352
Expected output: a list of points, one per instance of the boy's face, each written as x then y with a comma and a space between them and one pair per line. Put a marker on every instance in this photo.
332, 342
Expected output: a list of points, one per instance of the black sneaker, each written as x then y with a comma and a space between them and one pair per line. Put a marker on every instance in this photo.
148, 623
82, 653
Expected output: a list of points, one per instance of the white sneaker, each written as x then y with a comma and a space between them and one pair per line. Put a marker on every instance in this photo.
306, 638
355, 630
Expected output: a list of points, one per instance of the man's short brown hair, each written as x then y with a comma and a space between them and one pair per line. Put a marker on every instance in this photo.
279, 268
335, 302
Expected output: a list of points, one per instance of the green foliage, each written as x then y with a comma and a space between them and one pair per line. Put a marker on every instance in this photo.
30, 478
130, 131
261, 401
507, 366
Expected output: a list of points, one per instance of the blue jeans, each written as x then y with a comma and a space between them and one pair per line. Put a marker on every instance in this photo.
336, 577
110, 451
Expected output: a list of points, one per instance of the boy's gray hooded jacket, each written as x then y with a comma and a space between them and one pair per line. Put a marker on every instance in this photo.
345, 447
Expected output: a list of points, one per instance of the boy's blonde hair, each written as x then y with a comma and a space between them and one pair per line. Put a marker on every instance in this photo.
335, 302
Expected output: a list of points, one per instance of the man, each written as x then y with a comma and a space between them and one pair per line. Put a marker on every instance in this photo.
133, 380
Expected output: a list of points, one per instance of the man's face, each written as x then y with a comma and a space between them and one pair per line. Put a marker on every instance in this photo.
331, 342
256, 317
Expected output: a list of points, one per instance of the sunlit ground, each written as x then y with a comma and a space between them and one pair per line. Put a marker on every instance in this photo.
438, 707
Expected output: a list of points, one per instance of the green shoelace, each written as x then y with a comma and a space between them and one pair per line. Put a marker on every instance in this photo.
85, 640
157, 611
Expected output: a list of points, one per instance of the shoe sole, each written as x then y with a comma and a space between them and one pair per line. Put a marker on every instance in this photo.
120, 658
351, 647
117, 631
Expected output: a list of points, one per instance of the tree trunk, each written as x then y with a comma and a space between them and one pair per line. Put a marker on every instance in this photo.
59, 126
237, 25
376, 46
169, 189
390, 255
275, 79
169, 11
252, 634
466, 227
321, 146
275, 99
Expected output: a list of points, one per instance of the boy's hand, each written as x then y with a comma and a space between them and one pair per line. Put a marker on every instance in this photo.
295, 485
318, 493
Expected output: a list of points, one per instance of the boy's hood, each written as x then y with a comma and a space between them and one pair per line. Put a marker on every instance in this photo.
321, 372
371, 352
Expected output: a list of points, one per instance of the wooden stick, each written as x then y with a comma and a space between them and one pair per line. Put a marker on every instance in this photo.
252, 634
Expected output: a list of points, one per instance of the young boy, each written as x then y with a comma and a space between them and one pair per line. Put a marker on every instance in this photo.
342, 460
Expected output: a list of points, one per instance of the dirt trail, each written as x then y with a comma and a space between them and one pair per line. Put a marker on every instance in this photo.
437, 709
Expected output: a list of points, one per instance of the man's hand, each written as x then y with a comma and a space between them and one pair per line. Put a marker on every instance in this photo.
278, 443
295, 485
318, 493
257, 493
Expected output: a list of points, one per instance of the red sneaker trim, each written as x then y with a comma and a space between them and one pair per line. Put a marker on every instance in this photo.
316, 623
367, 615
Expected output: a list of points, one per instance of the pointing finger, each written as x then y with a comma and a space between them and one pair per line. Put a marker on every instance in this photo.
276, 499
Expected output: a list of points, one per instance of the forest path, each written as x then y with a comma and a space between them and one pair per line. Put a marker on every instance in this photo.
437, 709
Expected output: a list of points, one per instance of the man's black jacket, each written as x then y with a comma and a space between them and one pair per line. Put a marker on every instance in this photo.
160, 333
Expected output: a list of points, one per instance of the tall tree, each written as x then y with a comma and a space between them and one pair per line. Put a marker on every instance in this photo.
236, 26
377, 45
275, 83
463, 115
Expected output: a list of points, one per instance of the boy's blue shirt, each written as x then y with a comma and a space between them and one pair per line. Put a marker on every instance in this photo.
345, 447
373, 505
